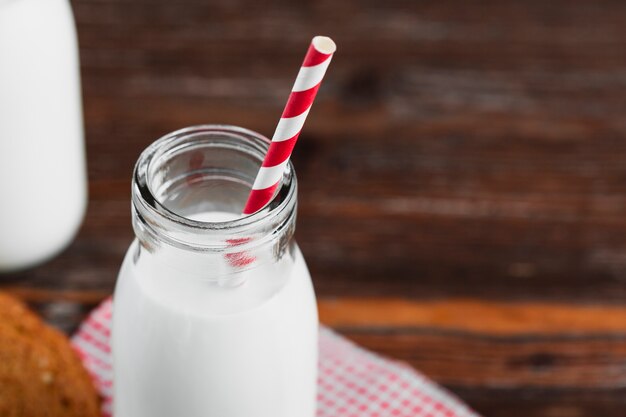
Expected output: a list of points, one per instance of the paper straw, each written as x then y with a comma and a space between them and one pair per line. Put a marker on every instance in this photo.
296, 110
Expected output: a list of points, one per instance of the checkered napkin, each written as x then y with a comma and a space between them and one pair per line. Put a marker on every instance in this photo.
353, 382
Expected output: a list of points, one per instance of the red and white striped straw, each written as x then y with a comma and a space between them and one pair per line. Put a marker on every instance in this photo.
296, 110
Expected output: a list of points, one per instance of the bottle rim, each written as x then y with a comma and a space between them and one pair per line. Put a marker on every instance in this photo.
151, 217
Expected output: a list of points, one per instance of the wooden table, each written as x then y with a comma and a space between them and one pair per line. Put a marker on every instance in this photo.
463, 184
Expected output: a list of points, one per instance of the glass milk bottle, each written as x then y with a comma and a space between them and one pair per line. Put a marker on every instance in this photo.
214, 313
42, 158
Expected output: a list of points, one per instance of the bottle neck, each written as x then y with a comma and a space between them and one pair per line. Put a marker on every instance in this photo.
190, 178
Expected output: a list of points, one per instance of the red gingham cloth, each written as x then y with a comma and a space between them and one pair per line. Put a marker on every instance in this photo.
352, 382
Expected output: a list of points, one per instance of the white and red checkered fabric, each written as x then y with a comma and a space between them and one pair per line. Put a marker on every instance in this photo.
353, 382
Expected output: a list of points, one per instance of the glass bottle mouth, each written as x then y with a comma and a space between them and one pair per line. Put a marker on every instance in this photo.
203, 169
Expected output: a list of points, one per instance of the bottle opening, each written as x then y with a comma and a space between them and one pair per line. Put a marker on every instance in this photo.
196, 181
203, 172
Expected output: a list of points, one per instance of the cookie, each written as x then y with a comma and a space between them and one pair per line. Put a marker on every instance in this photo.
40, 374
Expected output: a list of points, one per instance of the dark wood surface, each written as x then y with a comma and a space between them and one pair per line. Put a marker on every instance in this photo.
463, 184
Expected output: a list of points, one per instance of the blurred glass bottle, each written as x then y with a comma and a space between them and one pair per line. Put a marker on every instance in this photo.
43, 190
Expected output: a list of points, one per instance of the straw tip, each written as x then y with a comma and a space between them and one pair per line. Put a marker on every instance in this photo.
324, 44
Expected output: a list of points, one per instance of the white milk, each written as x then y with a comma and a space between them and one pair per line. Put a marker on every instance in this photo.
42, 164
185, 346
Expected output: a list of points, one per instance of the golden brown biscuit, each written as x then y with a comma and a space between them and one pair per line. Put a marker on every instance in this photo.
40, 374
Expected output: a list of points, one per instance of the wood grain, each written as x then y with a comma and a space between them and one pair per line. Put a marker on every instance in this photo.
470, 217
475, 316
